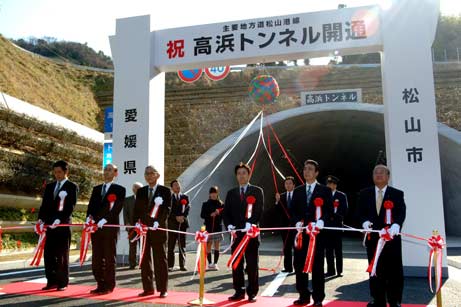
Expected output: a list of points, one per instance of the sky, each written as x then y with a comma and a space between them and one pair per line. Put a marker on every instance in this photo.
92, 21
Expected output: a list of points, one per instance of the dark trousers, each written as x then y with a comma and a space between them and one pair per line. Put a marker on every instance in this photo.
132, 252
56, 256
104, 242
318, 274
155, 251
334, 248
288, 237
388, 281
252, 267
172, 239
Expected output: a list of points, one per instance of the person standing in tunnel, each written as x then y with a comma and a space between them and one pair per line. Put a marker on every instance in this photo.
312, 205
383, 207
283, 203
178, 221
334, 246
211, 213
128, 218
238, 213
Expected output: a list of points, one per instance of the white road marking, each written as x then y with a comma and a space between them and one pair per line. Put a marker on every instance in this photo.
275, 284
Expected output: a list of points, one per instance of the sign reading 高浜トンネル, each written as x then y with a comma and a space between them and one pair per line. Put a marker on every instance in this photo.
345, 95
280, 37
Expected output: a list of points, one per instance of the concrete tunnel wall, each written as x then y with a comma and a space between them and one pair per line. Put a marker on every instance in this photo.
344, 138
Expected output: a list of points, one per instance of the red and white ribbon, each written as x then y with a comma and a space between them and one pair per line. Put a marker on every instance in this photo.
318, 203
384, 237
88, 228
388, 205
336, 205
299, 239
436, 244
158, 201
312, 232
39, 249
111, 198
62, 197
201, 237
184, 204
141, 233
250, 202
237, 255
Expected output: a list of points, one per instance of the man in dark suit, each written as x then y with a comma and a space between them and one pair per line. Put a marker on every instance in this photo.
58, 202
305, 213
178, 221
147, 214
128, 219
237, 216
334, 246
105, 204
284, 211
388, 281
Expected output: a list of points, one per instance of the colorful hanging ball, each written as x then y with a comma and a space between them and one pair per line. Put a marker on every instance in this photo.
264, 89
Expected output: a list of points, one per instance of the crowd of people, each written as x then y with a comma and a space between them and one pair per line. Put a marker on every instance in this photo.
310, 206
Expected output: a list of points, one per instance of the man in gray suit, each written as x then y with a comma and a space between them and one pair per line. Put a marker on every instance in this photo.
128, 213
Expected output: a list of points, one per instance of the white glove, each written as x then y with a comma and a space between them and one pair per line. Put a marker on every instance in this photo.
230, 227
101, 223
247, 227
319, 224
155, 226
55, 224
394, 230
367, 225
88, 219
299, 226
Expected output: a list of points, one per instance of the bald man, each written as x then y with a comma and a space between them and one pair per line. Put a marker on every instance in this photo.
128, 218
104, 240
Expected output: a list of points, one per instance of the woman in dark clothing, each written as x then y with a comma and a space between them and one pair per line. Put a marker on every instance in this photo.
211, 213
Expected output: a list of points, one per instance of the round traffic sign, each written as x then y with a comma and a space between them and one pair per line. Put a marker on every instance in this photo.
190, 75
217, 73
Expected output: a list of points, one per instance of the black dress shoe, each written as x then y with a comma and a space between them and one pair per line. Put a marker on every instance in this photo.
236, 297
394, 305
251, 298
374, 304
287, 271
329, 274
318, 304
61, 288
49, 287
146, 293
183, 269
107, 291
339, 275
96, 291
301, 302
163, 294
132, 267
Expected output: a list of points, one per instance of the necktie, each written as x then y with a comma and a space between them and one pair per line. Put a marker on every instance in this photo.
150, 194
289, 200
309, 194
379, 201
103, 191
242, 193
58, 186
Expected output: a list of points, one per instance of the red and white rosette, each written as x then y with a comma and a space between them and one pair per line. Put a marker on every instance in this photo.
201, 237
88, 228
111, 198
62, 196
384, 236
40, 229
335, 205
141, 233
251, 200
184, 203
237, 255
312, 232
318, 203
436, 244
388, 205
158, 201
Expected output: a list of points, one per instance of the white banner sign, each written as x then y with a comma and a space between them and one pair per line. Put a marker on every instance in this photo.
344, 95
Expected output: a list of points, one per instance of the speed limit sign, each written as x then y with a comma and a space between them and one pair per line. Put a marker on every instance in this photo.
217, 73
